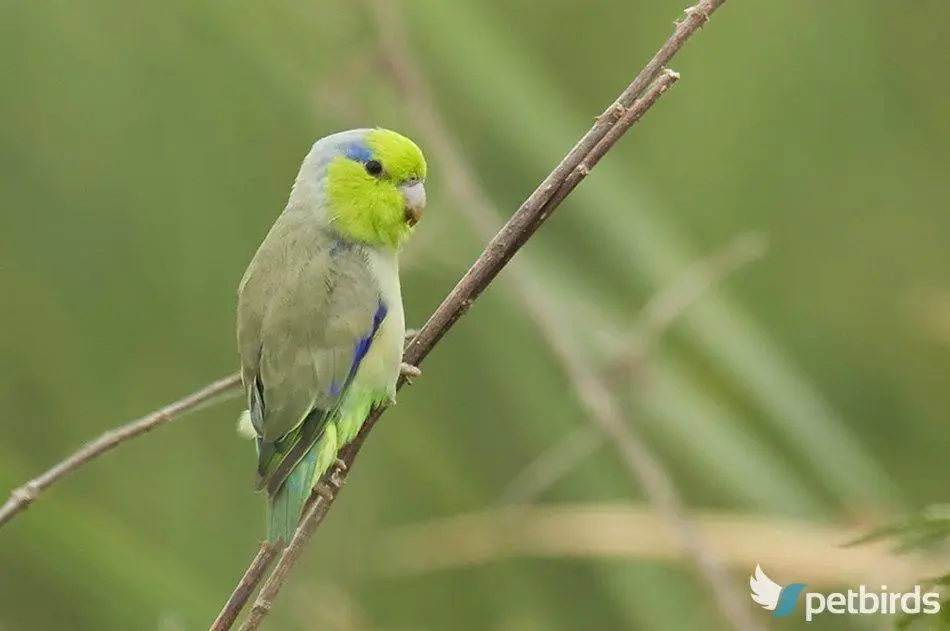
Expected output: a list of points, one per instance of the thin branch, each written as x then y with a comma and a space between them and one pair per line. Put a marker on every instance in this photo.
601, 406
551, 465
811, 552
22, 497
25, 495
614, 121
666, 306
312, 518
239, 597
619, 117
604, 410
659, 314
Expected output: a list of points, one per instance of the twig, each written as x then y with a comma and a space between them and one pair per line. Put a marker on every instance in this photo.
602, 407
610, 125
663, 309
312, 518
551, 465
659, 313
604, 410
239, 597
619, 117
786, 548
22, 497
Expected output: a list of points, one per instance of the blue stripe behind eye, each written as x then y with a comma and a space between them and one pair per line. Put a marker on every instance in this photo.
362, 347
359, 152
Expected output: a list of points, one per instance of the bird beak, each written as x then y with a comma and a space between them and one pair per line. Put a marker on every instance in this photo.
414, 195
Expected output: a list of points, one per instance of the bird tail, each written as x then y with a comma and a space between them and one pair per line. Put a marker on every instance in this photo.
286, 506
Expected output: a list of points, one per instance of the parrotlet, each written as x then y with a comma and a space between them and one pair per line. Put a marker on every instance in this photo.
320, 323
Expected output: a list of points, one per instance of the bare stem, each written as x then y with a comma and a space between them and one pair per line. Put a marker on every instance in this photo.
604, 410
22, 497
242, 593
812, 552
601, 406
659, 313
312, 517
666, 306
551, 465
653, 81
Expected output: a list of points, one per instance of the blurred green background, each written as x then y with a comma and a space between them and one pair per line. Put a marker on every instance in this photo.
145, 149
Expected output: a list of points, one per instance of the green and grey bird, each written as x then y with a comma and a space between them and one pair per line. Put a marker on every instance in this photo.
320, 322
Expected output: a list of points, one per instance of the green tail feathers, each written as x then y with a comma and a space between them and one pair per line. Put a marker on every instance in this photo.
285, 508
287, 504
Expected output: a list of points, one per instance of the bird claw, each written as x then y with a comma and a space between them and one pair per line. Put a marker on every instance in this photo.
337, 474
324, 491
409, 371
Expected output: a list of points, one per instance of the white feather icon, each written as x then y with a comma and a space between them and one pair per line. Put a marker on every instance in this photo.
765, 591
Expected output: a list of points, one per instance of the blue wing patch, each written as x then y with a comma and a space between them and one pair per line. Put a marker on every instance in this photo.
362, 347
303, 437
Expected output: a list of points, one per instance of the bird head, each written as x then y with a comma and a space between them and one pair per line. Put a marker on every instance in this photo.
368, 184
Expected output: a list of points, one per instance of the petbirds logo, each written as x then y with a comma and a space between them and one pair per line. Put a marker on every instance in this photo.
779, 600
782, 600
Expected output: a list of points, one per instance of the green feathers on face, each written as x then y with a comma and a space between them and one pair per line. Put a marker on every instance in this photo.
402, 160
365, 203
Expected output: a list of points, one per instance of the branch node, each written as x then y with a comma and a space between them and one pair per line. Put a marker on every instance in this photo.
26, 494
262, 605
612, 114
699, 10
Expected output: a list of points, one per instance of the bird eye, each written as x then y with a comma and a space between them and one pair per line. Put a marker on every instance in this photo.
373, 167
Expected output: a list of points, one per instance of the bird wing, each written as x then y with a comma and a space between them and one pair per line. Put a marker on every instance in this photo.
308, 310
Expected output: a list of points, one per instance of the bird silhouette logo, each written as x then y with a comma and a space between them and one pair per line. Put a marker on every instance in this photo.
781, 601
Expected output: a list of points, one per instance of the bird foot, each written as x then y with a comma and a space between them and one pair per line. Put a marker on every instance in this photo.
337, 474
324, 491
409, 371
